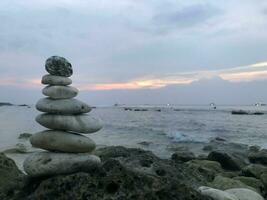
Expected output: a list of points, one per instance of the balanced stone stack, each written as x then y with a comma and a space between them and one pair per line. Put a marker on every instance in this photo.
67, 151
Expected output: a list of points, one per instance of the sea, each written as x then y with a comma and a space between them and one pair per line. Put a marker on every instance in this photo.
158, 128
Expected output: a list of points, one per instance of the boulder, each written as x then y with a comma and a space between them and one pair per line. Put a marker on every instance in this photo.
216, 194
183, 156
254, 170
58, 66
60, 92
62, 106
259, 157
224, 183
56, 80
227, 161
75, 123
244, 194
61, 141
49, 163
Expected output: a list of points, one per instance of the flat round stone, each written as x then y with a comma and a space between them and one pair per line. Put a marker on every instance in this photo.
58, 66
62, 106
55, 80
49, 163
75, 123
60, 92
53, 140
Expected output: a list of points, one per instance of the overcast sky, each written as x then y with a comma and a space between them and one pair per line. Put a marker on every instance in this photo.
138, 51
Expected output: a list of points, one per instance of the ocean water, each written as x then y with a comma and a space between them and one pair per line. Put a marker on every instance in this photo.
161, 131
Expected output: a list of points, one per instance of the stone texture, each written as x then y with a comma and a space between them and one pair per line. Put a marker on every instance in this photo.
252, 182
254, 170
60, 92
48, 163
62, 106
183, 156
259, 157
58, 66
62, 141
56, 80
244, 194
76, 123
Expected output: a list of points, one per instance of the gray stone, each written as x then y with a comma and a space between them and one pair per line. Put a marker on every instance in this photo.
53, 140
60, 92
216, 194
244, 194
58, 66
55, 80
62, 106
76, 123
48, 163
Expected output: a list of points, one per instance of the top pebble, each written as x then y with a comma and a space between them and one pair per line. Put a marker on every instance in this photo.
58, 66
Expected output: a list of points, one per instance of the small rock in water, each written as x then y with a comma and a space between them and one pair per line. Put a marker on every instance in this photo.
48, 163
25, 135
244, 194
53, 140
60, 92
58, 66
56, 80
62, 106
76, 123
216, 194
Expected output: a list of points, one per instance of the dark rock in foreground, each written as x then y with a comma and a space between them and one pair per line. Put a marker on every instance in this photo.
124, 174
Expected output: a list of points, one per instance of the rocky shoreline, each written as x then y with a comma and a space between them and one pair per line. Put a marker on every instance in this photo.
131, 173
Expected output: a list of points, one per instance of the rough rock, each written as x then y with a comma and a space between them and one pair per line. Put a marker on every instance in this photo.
53, 140
49, 163
206, 168
58, 66
254, 170
183, 156
62, 106
252, 182
259, 157
76, 123
224, 183
216, 194
229, 162
55, 80
11, 178
60, 92
244, 194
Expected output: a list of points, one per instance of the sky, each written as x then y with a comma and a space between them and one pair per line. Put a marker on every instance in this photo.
136, 51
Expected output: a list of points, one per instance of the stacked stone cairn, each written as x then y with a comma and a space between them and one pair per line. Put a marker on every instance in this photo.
67, 151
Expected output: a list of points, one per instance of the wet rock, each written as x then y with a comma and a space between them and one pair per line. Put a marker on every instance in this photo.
25, 135
259, 157
183, 156
224, 183
228, 161
252, 182
254, 170
58, 66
